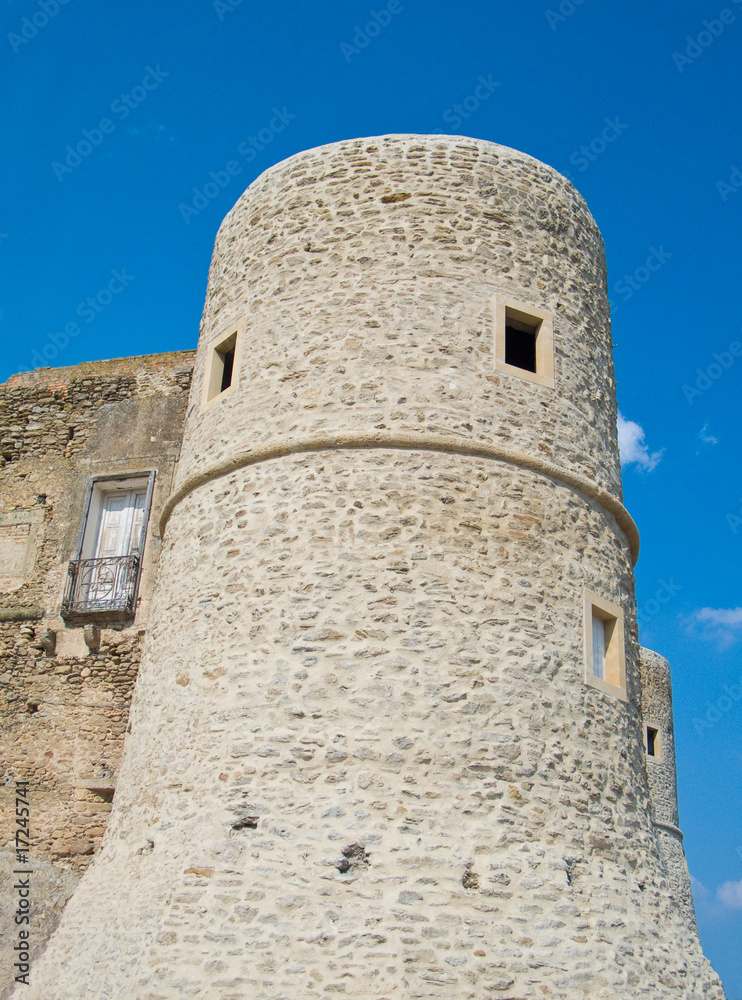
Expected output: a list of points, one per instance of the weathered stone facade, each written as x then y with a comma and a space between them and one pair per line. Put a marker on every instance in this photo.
364, 757
65, 706
656, 700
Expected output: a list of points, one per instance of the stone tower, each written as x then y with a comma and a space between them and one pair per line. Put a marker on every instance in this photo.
389, 737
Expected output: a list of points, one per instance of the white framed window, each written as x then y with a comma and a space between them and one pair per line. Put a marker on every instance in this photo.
524, 340
104, 577
605, 653
222, 365
115, 520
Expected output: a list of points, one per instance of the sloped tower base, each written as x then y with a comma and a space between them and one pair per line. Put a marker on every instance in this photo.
363, 756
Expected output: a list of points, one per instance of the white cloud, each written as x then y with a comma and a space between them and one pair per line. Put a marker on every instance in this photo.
706, 437
700, 892
722, 625
730, 895
731, 617
632, 446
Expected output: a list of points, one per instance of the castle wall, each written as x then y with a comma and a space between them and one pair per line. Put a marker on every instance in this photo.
65, 707
380, 785
656, 684
364, 754
364, 273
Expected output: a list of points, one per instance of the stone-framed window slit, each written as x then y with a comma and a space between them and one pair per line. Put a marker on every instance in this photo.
524, 340
222, 365
653, 742
605, 653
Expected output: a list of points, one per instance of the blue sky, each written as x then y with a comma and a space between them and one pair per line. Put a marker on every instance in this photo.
104, 247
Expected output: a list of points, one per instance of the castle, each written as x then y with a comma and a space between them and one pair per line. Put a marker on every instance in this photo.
393, 734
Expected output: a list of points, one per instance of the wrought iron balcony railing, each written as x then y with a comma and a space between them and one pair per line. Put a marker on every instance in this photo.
101, 587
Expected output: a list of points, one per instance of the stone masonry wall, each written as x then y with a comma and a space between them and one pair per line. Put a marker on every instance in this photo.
65, 705
64, 720
364, 758
52, 887
662, 778
379, 783
365, 272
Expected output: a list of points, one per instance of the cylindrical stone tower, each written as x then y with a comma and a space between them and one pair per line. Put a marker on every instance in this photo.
663, 785
387, 737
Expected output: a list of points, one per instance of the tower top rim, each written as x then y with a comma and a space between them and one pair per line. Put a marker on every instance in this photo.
414, 137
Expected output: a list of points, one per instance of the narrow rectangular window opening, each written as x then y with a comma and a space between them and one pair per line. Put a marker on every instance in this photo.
605, 658
524, 340
221, 372
599, 645
652, 735
227, 368
520, 343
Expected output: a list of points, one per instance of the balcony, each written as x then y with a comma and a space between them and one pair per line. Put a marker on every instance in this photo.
101, 589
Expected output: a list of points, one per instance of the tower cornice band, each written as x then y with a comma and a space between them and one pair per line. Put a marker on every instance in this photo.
410, 442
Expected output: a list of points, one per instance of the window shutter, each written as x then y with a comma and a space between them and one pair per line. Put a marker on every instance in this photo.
598, 647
